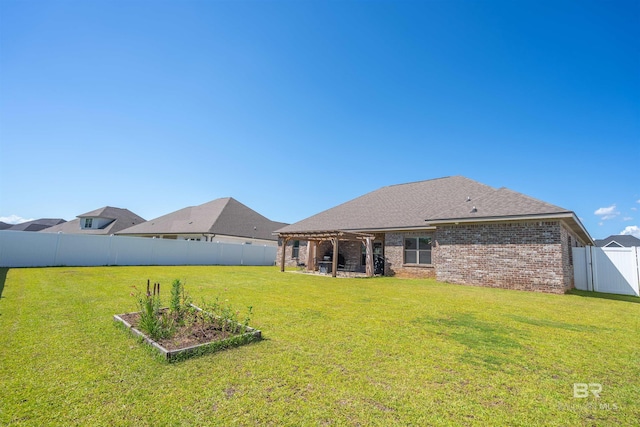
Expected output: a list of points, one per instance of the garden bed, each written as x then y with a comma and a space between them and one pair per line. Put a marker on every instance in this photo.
191, 340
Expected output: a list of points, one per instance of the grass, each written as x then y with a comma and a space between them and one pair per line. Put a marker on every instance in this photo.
379, 351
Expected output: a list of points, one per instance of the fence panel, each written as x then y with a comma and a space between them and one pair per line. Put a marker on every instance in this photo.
615, 270
82, 250
581, 265
130, 251
27, 249
610, 270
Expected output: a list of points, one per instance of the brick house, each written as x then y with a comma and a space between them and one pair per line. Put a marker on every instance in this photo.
452, 229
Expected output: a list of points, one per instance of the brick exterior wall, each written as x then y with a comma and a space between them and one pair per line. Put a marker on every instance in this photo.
394, 258
531, 256
527, 255
289, 260
569, 241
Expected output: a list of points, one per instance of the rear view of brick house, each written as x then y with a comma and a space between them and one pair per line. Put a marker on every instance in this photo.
453, 229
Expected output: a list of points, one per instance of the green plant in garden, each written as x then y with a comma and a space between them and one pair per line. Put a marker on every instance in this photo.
153, 322
180, 304
160, 323
222, 315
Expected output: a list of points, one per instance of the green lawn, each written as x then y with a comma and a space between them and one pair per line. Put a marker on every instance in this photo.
378, 351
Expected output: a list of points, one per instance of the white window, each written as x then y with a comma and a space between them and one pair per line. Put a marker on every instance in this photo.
88, 222
295, 250
417, 250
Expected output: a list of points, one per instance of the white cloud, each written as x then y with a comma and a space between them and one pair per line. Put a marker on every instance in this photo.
607, 213
14, 219
632, 230
627, 218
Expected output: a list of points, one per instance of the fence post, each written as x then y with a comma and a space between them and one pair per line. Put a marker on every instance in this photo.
590, 268
55, 252
636, 251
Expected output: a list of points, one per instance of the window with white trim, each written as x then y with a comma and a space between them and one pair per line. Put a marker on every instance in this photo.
88, 222
295, 250
417, 250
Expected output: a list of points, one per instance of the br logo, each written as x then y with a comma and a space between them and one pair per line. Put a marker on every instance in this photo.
582, 390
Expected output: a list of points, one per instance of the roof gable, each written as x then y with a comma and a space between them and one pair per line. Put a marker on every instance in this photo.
619, 240
120, 219
224, 216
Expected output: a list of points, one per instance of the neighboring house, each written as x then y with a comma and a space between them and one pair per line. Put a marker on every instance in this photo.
618, 241
37, 224
107, 220
222, 220
453, 229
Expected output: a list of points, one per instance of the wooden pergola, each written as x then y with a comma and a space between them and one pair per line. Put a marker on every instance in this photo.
315, 237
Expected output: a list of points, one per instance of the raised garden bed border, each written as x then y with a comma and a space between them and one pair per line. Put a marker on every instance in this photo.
248, 336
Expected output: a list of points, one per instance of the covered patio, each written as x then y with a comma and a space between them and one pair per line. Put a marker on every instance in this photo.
335, 237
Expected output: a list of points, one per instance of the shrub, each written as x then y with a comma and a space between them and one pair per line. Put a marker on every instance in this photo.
153, 322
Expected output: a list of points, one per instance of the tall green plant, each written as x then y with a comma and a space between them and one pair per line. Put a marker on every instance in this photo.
180, 303
154, 323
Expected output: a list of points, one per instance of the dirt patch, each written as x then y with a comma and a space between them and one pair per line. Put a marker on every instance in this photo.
187, 335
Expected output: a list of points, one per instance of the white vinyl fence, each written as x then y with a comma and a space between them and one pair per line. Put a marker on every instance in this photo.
611, 270
29, 249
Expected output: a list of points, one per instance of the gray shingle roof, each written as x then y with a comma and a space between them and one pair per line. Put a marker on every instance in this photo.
37, 224
417, 204
625, 240
122, 218
394, 206
498, 203
224, 216
110, 213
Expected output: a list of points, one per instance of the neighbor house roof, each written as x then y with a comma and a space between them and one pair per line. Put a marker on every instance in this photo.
224, 216
4, 225
422, 204
37, 224
620, 240
120, 219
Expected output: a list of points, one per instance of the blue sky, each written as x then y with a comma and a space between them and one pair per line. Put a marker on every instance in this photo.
295, 107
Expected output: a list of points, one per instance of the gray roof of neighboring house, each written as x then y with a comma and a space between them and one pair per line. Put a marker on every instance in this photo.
122, 218
224, 216
37, 224
420, 204
623, 240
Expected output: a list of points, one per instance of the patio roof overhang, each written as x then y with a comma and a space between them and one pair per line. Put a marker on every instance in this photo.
334, 236
325, 235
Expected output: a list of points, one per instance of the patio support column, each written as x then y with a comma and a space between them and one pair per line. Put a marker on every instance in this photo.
334, 269
285, 240
311, 255
369, 256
